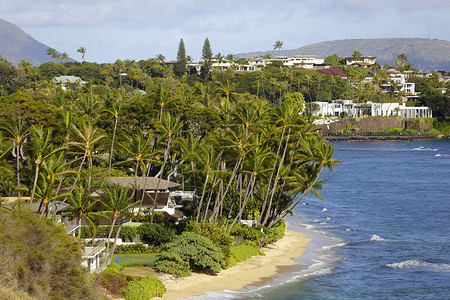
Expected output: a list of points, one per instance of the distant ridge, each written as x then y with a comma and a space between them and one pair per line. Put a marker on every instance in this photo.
424, 54
15, 45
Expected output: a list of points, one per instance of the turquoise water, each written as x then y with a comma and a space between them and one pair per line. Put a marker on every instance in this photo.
382, 231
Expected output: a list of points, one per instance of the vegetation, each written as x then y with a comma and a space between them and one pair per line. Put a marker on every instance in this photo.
245, 143
40, 259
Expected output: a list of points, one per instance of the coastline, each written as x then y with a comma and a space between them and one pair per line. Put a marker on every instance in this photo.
255, 271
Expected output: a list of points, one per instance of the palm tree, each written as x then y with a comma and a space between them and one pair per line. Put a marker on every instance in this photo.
81, 206
117, 205
40, 148
356, 55
160, 58
86, 139
14, 128
226, 89
52, 53
113, 106
278, 45
315, 157
64, 56
138, 148
82, 50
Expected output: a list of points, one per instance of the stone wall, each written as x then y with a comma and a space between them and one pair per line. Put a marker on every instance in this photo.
376, 124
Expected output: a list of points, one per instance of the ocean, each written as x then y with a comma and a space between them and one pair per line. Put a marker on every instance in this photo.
381, 232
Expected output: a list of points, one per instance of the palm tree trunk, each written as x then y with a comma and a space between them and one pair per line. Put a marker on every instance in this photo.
107, 241
275, 183
112, 149
199, 208
115, 243
18, 170
34, 183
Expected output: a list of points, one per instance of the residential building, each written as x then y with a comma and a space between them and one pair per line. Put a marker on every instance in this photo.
365, 61
348, 108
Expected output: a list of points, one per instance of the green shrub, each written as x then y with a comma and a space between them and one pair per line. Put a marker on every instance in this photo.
156, 233
432, 131
133, 249
411, 131
248, 233
114, 268
244, 251
127, 233
144, 289
217, 233
192, 250
393, 130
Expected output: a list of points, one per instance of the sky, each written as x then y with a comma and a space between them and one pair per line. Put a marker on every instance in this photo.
142, 29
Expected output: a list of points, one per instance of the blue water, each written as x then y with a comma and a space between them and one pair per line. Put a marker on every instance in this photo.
381, 232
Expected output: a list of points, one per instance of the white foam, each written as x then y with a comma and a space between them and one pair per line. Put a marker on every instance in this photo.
348, 229
422, 148
377, 238
333, 246
324, 209
439, 155
418, 263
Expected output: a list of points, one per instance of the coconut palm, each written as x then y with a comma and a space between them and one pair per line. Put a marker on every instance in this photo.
14, 130
39, 149
226, 89
82, 50
86, 139
278, 45
113, 106
116, 205
81, 207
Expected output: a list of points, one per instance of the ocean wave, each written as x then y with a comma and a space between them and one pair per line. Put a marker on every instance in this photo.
333, 246
420, 264
377, 238
440, 155
422, 148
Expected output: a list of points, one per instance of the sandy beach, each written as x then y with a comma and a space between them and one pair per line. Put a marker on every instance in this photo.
252, 272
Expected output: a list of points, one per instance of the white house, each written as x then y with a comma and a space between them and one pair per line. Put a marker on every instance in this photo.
299, 61
347, 107
66, 81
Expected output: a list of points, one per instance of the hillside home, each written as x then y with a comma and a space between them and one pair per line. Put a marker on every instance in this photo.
365, 61
69, 81
352, 110
155, 188
299, 61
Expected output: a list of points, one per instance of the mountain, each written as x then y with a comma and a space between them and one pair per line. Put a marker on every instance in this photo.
15, 45
424, 54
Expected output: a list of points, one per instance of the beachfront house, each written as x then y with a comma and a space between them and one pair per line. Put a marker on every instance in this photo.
153, 192
348, 108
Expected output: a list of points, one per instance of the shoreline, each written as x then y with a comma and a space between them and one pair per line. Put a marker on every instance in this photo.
255, 271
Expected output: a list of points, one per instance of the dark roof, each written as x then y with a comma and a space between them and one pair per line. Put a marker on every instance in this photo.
149, 198
150, 184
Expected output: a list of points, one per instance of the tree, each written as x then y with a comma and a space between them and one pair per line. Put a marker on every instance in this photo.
82, 50
207, 56
278, 45
333, 60
15, 131
52, 53
117, 205
191, 251
39, 149
356, 55
180, 68
81, 206
160, 58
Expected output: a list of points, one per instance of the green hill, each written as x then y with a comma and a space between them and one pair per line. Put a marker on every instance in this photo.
15, 45
424, 54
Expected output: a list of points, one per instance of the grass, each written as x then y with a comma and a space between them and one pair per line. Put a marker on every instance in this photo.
139, 271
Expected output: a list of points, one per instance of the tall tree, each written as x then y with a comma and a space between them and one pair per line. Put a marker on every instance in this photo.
278, 45
15, 131
180, 68
207, 56
82, 50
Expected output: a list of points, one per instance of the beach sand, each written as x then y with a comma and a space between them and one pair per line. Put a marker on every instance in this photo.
252, 272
